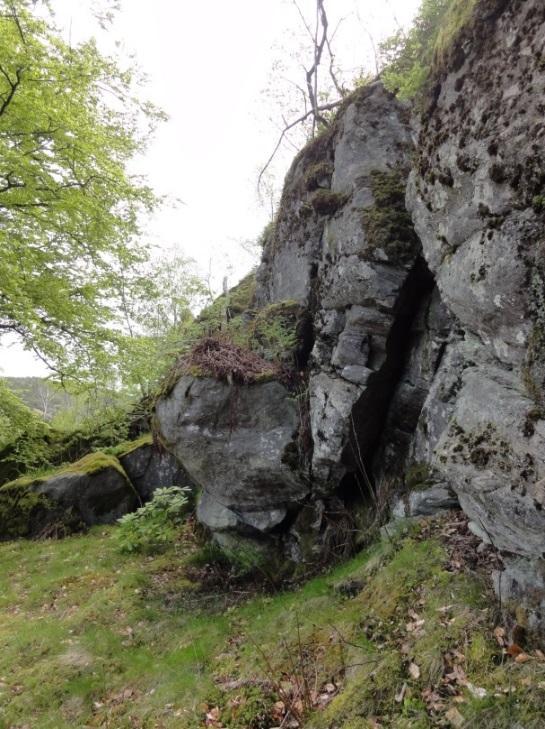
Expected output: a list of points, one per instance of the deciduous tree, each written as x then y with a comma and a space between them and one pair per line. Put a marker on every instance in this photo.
70, 123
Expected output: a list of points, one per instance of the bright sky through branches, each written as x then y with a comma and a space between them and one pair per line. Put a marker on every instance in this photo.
208, 64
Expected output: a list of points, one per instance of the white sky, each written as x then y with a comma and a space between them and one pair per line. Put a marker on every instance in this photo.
208, 64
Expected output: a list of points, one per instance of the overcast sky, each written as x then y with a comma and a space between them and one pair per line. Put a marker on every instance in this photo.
217, 68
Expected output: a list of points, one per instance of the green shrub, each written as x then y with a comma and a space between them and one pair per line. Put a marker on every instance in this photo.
154, 526
408, 58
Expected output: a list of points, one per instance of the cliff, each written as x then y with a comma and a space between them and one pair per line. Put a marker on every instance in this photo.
411, 244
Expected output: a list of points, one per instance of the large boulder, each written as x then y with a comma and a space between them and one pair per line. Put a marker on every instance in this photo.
92, 491
239, 445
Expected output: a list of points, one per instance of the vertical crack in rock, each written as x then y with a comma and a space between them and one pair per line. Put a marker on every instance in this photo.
370, 412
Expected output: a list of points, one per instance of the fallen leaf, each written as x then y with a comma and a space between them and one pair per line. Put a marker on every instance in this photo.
414, 671
522, 658
401, 694
455, 718
213, 716
499, 634
278, 711
476, 691
514, 650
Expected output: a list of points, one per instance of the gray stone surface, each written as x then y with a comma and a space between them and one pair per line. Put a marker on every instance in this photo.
522, 582
149, 467
473, 201
429, 350
101, 497
425, 503
359, 289
237, 444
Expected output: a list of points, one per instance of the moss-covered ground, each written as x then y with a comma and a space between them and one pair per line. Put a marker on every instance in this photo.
401, 636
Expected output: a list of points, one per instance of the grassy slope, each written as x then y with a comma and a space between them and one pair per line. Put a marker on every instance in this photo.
92, 638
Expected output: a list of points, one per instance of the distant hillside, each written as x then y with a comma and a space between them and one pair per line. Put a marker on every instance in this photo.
41, 395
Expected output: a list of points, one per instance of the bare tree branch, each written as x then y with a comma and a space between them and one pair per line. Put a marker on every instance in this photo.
313, 108
324, 107
17, 22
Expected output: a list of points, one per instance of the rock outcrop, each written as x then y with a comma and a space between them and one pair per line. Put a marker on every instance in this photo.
476, 197
239, 444
98, 489
94, 490
424, 366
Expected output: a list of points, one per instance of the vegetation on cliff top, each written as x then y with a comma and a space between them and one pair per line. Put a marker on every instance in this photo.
408, 58
231, 340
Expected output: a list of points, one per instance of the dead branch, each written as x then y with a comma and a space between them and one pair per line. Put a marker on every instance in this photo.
291, 125
320, 41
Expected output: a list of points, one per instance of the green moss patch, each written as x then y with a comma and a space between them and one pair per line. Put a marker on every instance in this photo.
92, 463
318, 175
123, 449
418, 477
388, 225
22, 509
276, 329
19, 504
327, 202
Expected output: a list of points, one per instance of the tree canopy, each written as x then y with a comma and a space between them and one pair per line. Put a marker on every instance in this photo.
70, 210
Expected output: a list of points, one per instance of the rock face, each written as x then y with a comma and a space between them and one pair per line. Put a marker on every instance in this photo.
476, 197
98, 489
415, 243
101, 497
149, 468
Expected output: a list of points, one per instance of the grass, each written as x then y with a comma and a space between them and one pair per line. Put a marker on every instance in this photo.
457, 17
93, 638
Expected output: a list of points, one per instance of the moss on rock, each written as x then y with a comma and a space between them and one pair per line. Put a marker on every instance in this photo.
275, 329
90, 464
25, 511
123, 449
418, 477
19, 505
318, 176
327, 202
388, 225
